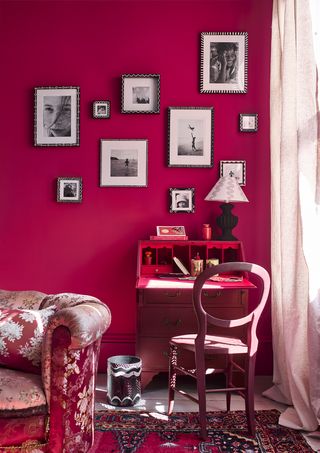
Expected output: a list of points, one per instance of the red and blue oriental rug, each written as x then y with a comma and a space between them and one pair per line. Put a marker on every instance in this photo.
144, 432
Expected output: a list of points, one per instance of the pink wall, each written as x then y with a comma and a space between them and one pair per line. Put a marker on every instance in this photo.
91, 247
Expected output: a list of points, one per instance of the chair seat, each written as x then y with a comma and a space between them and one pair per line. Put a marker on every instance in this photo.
213, 343
21, 394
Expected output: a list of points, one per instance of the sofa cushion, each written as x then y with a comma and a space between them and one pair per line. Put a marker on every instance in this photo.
21, 337
21, 394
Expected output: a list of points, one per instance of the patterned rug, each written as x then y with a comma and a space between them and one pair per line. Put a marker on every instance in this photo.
144, 432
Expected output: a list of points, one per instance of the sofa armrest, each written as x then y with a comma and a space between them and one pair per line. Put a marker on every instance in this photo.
86, 317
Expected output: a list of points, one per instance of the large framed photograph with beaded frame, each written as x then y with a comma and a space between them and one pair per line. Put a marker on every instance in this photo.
190, 136
224, 62
56, 116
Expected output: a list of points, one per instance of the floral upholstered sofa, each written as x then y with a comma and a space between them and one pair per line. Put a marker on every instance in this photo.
49, 350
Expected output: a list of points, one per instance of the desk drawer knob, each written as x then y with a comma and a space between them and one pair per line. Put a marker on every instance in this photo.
176, 323
212, 296
176, 294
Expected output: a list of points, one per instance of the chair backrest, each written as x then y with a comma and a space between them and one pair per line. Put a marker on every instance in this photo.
251, 319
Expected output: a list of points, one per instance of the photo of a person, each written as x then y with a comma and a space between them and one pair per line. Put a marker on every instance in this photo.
182, 200
70, 190
101, 109
57, 116
124, 162
223, 62
190, 138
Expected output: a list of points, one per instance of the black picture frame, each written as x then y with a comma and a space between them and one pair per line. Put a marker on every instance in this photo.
190, 136
69, 189
101, 109
248, 122
56, 116
236, 168
182, 200
140, 93
224, 62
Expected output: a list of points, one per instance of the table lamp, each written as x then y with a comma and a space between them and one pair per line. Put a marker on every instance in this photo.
228, 190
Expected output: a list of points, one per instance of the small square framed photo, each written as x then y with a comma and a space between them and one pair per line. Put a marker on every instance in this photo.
101, 109
248, 122
190, 137
181, 200
56, 116
140, 93
69, 190
236, 168
171, 231
224, 62
123, 163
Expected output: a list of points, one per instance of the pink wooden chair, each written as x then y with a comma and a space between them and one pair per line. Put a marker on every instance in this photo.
203, 345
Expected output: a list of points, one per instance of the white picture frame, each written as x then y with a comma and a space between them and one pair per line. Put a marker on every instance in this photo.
123, 162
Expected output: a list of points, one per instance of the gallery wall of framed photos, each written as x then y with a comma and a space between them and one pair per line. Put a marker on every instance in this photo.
146, 92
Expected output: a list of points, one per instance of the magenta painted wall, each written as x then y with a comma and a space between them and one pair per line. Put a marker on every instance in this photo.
91, 247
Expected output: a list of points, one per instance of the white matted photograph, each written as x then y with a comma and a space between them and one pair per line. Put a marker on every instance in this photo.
190, 137
123, 162
181, 200
235, 168
140, 93
224, 62
101, 109
56, 116
69, 190
248, 122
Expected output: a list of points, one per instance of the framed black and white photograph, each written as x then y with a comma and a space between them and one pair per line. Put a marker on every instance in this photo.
69, 190
123, 163
235, 168
56, 116
248, 122
140, 93
224, 62
181, 200
101, 109
190, 137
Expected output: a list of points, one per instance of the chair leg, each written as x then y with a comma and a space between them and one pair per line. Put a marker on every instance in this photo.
172, 377
229, 380
201, 387
250, 394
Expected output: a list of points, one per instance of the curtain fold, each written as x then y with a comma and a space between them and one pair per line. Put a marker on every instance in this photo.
295, 220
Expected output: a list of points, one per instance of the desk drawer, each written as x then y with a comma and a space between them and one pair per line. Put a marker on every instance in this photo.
156, 321
209, 296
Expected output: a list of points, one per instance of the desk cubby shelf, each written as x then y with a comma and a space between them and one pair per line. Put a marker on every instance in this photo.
162, 252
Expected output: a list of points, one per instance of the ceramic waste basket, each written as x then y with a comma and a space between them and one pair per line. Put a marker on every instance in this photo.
124, 380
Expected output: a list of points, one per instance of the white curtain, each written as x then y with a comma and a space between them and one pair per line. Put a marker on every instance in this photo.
295, 214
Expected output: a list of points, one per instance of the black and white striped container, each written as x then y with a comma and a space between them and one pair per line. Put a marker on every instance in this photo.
124, 380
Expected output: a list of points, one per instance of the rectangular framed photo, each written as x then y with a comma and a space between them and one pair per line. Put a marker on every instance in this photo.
56, 116
123, 163
140, 93
224, 62
190, 137
101, 109
248, 122
69, 190
171, 231
181, 200
236, 168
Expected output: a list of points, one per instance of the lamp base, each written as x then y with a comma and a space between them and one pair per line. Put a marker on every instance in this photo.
227, 221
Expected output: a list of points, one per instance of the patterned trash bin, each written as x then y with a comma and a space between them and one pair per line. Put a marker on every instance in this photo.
124, 380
